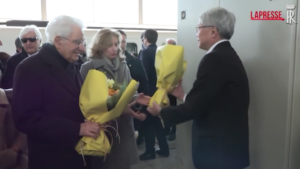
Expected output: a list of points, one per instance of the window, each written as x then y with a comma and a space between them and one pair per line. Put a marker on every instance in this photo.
131, 47
80, 9
20, 10
117, 11
160, 12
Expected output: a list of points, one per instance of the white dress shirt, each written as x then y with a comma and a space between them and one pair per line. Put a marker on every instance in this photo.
214, 45
209, 50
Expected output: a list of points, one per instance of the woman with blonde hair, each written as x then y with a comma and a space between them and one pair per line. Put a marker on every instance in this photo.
106, 55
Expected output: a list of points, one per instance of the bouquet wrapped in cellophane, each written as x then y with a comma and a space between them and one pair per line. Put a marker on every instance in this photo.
170, 67
102, 100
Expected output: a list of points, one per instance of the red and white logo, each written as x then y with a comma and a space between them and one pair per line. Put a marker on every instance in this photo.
275, 15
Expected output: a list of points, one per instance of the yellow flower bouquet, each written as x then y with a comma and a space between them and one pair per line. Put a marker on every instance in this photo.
170, 67
102, 100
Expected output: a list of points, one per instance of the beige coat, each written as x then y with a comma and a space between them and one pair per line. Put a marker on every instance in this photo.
10, 137
123, 154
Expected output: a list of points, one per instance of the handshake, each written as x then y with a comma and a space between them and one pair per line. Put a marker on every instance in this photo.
155, 108
92, 129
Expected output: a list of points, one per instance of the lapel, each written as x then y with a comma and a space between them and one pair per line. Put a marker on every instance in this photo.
78, 77
99, 64
59, 72
129, 59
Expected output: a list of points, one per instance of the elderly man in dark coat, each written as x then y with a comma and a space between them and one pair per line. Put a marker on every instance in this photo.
31, 39
46, 99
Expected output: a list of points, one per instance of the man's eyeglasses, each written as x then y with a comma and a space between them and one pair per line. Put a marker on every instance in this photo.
76, 42
200, 27
32, 39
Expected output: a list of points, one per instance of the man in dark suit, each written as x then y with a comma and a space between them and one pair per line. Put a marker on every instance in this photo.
3, 60
143, 47
135, 66
153, 124
138, 73
218, 101
136, 69
82, 57
46, 99
31, 39
18, 45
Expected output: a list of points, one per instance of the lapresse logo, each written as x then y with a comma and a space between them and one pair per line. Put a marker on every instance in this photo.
275, 15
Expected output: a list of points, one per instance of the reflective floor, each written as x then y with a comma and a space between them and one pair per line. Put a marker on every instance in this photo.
159, 162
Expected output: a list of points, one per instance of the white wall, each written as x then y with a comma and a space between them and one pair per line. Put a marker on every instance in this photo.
267, 51
9, 34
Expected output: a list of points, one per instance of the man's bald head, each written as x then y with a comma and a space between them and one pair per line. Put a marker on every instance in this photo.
171, 41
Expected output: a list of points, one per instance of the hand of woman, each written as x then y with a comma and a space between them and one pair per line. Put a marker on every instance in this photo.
137, 115
128, 110
140, 116
143, 99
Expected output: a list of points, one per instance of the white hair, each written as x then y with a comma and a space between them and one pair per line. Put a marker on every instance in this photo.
30, 28
220, 18
62, 26
173, 41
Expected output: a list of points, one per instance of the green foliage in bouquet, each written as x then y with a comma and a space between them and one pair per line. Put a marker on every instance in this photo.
115, 92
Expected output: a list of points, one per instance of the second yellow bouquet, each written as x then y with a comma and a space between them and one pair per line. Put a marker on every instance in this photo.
170, 67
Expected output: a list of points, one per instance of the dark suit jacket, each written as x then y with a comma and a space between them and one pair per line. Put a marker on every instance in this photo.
218, 103
3, 59
140, 53
138, 73
172, 99
46, 108
148, 60
11, 65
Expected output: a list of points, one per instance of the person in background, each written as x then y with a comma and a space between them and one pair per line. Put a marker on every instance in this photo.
153, 124
219, 99
31, 39
138, 73
171, 41
13, 144
3, 60
135, 55
143, 47
18, 45
46, 98
171, 129
82, 57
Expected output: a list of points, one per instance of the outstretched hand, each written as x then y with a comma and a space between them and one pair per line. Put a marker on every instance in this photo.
178, 91
140, 116
128, 110
155, 109
143, 99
